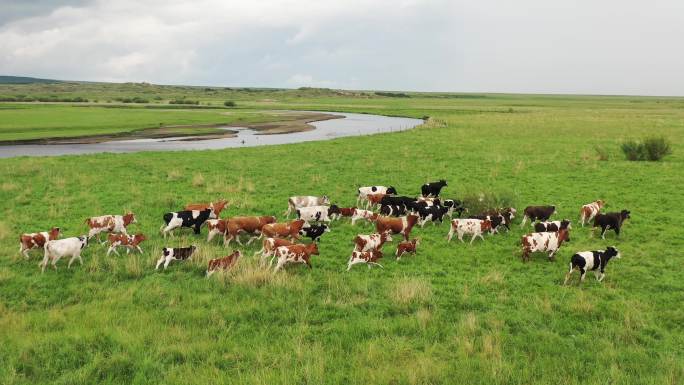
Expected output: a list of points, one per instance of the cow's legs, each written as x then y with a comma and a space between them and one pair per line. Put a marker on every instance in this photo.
73, 257
460, 237
450, 235
281, 262
374, 263
44, 262
523, 221
603, 231
139, 249
111, 248
600, 276
583, 273
211, 236
166, 264
567, 275
160, 261
23, 251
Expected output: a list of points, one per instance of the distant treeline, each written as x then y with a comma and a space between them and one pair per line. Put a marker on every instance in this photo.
24, 98
393, 94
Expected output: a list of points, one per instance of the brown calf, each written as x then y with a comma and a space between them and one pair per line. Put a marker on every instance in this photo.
128, 241
374, 199
248, 225
407, 247
368, 257
224, 263
295, 254
283, 230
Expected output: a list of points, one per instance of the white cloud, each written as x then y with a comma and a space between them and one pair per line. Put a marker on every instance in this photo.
584, 46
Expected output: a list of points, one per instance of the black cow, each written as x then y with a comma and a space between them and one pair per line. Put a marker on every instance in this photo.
314, 232
433, 213
541, 213
610, 221
176, 253
548, 227
185, 218
393, 210
433, 188
591, 260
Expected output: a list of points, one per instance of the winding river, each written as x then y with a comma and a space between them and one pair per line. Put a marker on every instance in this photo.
350, 125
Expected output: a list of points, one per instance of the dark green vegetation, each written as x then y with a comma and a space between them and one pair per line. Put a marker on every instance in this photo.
452, 314
4, 79
653, 149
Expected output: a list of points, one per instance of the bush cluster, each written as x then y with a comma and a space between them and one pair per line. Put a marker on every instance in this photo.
651, 149
184, 101
24, 98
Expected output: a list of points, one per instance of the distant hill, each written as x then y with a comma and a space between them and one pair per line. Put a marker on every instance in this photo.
24, 80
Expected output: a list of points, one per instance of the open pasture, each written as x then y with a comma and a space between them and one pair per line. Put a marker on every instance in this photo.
453, 313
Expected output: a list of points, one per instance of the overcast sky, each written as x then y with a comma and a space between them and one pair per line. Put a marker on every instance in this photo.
539, 46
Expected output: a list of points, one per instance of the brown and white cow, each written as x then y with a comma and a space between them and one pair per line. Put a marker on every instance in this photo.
224, 263
295, 254
216, 227
269, 246
407, 247
109, 224
343, 212
589, 211
283, 230
28, 241
368, 257
543, 242
371, 242
216, 207
247, 225
401, 225
368, 215
469, 226
128, 241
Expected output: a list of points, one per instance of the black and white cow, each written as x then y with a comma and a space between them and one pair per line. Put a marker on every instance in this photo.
547, 227
610, 221
591, 260
454, 206
176, 253
314, 232
432, 213
408, 202
495, 219
393, 210
295, 202
363, 192
433, 188
186, 218
316, 213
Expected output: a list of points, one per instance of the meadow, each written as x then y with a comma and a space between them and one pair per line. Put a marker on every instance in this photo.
454, 313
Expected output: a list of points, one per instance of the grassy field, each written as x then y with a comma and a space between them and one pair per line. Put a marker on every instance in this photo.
452, 314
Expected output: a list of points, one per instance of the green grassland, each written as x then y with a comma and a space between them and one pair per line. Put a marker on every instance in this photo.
454, 313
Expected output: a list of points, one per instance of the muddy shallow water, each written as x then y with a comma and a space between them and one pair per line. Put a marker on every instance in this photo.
351, 125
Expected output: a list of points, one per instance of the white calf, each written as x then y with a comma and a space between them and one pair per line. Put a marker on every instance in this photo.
67, 247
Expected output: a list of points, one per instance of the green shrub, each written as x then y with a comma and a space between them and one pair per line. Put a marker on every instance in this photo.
601, 152
229, 103
480, 202
184, 101
652, 149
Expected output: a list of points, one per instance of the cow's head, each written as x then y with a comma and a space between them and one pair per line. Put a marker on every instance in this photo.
386, 236
334, 209
443, 182
326, 200
84, 241
411, 219
312, 248
129, 218
53, 233
391, 190
611, 252
600, 203
565, 224
192, 249
219, 206
139, 237
563, 235
624, 214
416, 242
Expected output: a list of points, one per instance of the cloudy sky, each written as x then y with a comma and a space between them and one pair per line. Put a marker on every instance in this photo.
545, 46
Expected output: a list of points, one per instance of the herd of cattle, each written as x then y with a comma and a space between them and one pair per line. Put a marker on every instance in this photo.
391, 214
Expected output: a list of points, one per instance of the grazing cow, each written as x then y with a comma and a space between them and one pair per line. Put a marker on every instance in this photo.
591, 260
128, 241
224, 263
296, 202
433, 188
610, 221
295, 254
495, 219
314, 232
344, 212
176, 253
186, 218
30, 241
283, 230
589, 211
248, 225
409, 202
454, 205
393, 210
269, 246
371, 242
407, 247
316, 213
67, 247
432, 213
543, 242
363, 214
373, 200
541, 213
401, 225
216, 227
469, 226
109, 224
364, 192
368, 257
216, 207
547, 227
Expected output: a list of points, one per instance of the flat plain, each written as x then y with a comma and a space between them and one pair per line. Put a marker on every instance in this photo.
454, 313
